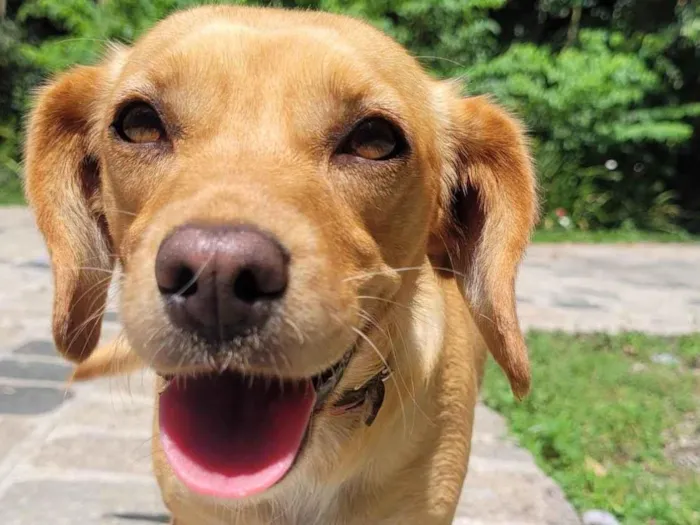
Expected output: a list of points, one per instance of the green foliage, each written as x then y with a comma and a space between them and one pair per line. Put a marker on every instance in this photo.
603, 417
608, 88
583, 107
443, 35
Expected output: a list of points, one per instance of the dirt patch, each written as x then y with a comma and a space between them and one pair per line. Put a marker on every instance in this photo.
683, 443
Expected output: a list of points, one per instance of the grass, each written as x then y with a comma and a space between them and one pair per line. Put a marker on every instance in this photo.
610, 236
599, 419
10, 196
10, 188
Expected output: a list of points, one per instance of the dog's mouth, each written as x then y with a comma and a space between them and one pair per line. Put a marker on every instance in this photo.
231, 435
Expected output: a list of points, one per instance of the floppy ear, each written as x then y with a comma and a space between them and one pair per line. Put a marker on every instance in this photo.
63, 188
489, 209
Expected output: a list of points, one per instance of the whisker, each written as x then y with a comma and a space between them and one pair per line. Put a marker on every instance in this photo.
398, 270
86, 268
124, 212
296, 329
196, 276
444, 59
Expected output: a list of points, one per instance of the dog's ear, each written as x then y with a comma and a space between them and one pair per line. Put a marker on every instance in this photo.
63, 188
488, 211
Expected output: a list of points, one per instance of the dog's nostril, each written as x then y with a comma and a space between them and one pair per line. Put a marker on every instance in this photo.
246, 287
183, 282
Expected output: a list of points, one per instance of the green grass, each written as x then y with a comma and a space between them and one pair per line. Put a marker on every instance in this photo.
10, 188
600, 415
610, 236
11, 196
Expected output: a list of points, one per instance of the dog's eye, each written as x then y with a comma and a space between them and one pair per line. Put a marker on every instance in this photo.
139, 123
373, 139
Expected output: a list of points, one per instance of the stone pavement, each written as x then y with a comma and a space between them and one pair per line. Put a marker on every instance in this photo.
81, 453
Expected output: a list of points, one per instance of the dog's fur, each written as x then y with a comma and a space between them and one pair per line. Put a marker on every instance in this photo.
420, 251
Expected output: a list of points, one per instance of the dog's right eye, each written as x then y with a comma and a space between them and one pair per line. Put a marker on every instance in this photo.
139, 123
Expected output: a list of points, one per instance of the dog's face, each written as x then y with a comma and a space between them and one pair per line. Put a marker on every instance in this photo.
269, 182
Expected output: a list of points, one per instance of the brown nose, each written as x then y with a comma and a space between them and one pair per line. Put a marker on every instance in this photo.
221, 282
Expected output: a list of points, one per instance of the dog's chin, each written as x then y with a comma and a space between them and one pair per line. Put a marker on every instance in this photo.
234, 435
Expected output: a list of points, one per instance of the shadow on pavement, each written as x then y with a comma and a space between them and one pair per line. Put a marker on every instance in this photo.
137, 516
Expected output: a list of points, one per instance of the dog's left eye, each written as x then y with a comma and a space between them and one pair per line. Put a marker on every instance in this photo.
373, 139
139, 123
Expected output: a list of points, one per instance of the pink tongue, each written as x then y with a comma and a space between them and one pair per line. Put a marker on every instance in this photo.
227, 439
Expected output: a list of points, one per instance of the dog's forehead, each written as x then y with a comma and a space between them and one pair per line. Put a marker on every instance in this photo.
283, 55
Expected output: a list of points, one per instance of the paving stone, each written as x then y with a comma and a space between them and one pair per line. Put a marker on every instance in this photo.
39, 348
133, 517
524, 496
121, 388
111, 454
500, 450
12, 334
112, 317
117, 414
65, 502
592, 292
13, 369
30, 400
42, 263
577, 303
12, 430
486, 421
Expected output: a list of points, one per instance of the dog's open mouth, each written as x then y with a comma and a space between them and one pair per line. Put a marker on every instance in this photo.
231, 436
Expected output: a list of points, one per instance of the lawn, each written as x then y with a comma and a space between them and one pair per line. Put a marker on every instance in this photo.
10, 187
604, 419
610, 236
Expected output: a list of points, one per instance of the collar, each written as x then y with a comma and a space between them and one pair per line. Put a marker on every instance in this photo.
372, 391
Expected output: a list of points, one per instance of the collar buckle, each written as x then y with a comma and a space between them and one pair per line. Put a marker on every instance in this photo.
372, 391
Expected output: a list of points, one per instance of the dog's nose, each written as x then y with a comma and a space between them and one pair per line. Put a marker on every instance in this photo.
221, 282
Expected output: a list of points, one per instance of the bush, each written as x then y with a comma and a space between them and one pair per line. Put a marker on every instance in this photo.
594, 140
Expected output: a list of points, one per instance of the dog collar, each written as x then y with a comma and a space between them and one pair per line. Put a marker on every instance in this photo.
372, 391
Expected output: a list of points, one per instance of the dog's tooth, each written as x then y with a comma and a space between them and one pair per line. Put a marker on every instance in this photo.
166, 383
223, 364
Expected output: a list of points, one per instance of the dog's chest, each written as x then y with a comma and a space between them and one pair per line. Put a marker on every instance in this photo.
319, 509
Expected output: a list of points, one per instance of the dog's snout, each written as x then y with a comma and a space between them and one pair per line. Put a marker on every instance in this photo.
221, 282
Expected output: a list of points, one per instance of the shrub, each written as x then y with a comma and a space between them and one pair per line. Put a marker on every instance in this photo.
595, 141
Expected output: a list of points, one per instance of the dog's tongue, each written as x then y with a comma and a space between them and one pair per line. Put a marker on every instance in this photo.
226, 438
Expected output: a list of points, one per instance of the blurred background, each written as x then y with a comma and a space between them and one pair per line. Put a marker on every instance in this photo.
610, 89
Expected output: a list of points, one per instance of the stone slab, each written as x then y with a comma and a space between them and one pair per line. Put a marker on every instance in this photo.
37, 348
14, 369
116, 414
31, 400
12, 431
65, 502
102, 453
503, 496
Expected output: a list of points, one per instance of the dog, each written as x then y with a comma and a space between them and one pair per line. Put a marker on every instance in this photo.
318, 244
